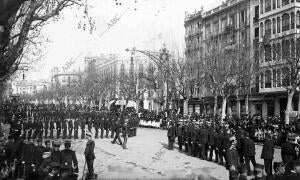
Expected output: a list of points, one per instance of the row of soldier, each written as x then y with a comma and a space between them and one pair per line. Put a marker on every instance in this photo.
231, 146
59, 126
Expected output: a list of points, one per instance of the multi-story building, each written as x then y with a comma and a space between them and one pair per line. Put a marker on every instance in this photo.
66, 79
278, 36
24, 87
270, 28
225, 27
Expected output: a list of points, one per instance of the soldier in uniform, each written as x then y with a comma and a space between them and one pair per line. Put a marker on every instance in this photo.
90, 155
82, 126
180, 135
112, 126
76, 127
70, 127
58, 128
102, 126
40, 128
64, 127
28, 159
106, 126
96, 126
90, 123
69, 163
171, 135
46, 127
211, 143
35, 128
52, 127
125, 132
117, 132
40, 149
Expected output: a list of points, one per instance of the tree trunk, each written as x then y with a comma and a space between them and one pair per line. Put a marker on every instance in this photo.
186, 107
224, 103
298, 113
247, 104
289, 106
215, 105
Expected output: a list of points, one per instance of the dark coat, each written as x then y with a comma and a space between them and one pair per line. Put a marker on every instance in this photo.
268, 150
232, 157
288, 152
211, 138
171, 131
203, 136
68, 159
70, 124
89, 150
248, 148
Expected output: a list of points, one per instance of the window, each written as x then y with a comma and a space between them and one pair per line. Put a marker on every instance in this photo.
274, 78
274, 52
285, 2
278, 3
278, 78
292, 20
274, 4
268, 5
298, 20
261, 6
268, 79
293, 50
274, 26
285, 22
278, 25
285, 49
298, 48
268, 53
278, 50
256, 32
261, 30
268, 26
286, 76
243, 16
223, 24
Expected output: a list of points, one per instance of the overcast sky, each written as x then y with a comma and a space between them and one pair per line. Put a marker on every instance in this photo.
153, 23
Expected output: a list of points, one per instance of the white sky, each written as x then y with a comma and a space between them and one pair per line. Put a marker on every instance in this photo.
154, 23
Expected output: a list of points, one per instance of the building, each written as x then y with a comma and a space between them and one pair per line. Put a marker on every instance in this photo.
24, 87
277, 32
66, 79
225, 27
270, 28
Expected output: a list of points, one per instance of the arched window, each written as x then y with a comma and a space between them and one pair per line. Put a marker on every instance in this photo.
274, 26
261, 30
268, 79
285, 22
274, 57
286, 76
278, 3
261, 6
278, 50
292, 20
268, 53
298, 20
278, 25
268, 5
268, 26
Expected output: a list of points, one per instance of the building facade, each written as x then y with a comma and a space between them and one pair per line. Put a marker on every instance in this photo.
270, 28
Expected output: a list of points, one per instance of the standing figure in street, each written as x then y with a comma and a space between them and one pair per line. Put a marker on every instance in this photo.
76, 127
171, 135
52, 127
64, 127
70, 127
90, 156
82, 126
117, 131
248, 150
125, 132
58, 128
267, 155
69, 164
180, 135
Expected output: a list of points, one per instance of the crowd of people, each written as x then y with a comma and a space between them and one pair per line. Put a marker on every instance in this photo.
231, 142
31, 149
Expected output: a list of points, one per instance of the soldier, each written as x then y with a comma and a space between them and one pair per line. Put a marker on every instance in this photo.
56, 155
69, 166
112, 127
90, 123
40, 149
76, 127
267, 155
82, 126
106, 126
35, 128
171, 135
117, 131
52, 127
102, 126
180, 135
249, 152
212, 143
48, 146
58, 128
40, 128
70, 127
96, 126
28, 159
203, 141
30, 128
90, 155
64, 127
46, 127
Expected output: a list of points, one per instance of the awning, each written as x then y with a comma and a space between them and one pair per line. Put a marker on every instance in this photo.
131, 103
121, 102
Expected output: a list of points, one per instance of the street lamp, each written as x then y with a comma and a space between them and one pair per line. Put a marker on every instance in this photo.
160, 59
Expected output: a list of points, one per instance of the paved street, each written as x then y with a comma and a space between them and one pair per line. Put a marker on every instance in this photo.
147, 156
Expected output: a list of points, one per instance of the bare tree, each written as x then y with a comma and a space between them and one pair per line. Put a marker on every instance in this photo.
20, 24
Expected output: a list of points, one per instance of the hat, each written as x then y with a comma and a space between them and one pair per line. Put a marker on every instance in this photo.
88, 133
56, 144
46, 155
67, 142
